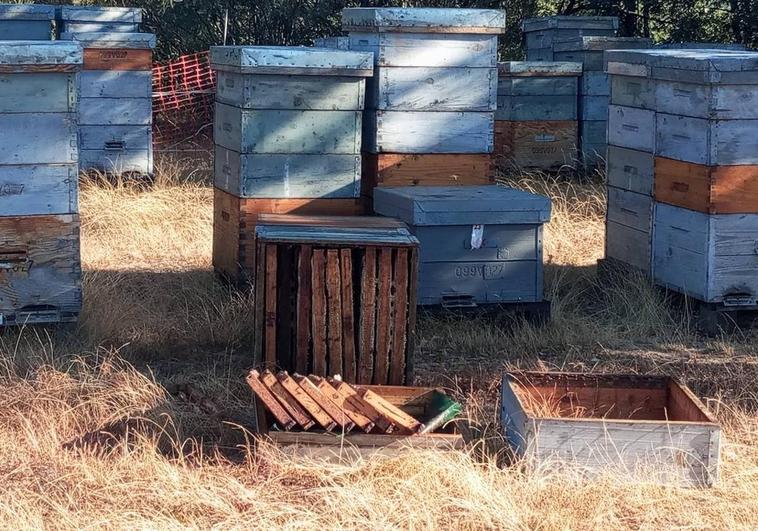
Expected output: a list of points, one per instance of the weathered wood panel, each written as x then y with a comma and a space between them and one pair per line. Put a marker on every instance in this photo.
115, 137
629, 169
546, 38
539, 54
287, 131
38, 138
117, 161
425, 49
338, 43
503, 243
287, 175
30, 190
571, 24
709, 142
39, 92
291, 60
628, 245
632, 91
117, 59
433, 89
632, 128
115, 111
428, 132
558, 85
40, 272
630, 209
723, 102
593, 131
99, 27
593, 107
531, 108
262, 91
537, 144
26, 30
595, 84
392, 169
434, 20
116, 84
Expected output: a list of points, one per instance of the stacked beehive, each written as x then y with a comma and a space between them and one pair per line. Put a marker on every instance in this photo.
288, 136
542, 34
536, 117
116, 87
683, 170
40, 273
594, 89
430, 107
25, 22
115, 112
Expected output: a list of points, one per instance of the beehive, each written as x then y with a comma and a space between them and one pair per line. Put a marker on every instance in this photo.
682, 129
543, 33
434, 91
26, 22
115, 112
479, 244
40, 273
594, 88
336, 295
87, 19
536, 118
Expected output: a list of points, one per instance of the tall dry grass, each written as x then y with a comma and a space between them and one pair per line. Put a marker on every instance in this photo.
154, 316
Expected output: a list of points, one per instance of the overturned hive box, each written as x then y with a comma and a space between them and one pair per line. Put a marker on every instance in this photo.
336, 296
649, 424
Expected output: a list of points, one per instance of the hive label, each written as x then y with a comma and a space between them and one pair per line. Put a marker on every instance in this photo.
477, 236
11, 189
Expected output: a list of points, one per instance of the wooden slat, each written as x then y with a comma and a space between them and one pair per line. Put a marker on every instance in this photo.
259, 309
411, 327
271, 294
303, 332
44, 69
294, 409
405, 423
272, 405
334, 306
318, 277
348, 319
117, 59
330, 407
383, 327
367, 324
353, 400
360, 420
303, 398
400, 314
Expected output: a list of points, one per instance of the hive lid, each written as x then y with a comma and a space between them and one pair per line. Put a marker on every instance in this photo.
569, 22
701, 46
423, 20
461, 205
26, 12
288, 60
100, 14
602, 43
538, 68
26, 55
694, 66
345, 230
340, 43
111, 39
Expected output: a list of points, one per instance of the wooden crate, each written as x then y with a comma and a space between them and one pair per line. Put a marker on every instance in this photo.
40, 270
546, 145
709, 189
709, 257
234, 221
26, 22
396, 169
336, 296
419, 402
643, 424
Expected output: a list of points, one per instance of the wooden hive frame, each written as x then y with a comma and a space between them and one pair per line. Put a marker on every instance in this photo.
337, 297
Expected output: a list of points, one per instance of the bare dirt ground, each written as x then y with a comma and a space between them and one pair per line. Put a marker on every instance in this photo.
155, 318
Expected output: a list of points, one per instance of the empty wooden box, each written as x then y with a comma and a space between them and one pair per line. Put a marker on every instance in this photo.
116, 110
648, 425
26, 22
541, 34
84, 19
479, 244
336, 296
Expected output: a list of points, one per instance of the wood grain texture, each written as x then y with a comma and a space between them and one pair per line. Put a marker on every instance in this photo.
400, 318
383, 322
117, 59
270, 301
27, 190
334, 305
303, 308
367, 329
311, 406
38, 92
395, 169
427, 50
38, 138
320, 313
325, 402
116, 84
348, 316
288, 402
360, 420
632, 128
630, 169
116, 111
547, 145
263, 394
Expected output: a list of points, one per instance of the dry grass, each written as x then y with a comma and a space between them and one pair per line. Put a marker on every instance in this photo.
154, 316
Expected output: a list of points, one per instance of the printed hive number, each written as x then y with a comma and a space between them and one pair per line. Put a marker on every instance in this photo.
485, 271
10, 189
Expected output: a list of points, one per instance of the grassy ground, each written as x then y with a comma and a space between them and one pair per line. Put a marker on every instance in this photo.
155, 318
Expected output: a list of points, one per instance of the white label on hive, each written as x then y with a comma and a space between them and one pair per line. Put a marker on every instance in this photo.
477, 236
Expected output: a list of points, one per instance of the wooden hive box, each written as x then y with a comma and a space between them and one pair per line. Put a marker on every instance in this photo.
115, 111
418, 402
541, 34
336, 296
26, 22
635, 424
288, 121
85, 19
531, 91
545, 145
479, 244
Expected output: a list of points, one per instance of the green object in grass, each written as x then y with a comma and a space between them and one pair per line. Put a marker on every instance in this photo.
448, 410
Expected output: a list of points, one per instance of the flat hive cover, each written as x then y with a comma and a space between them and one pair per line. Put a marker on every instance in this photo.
111, 39
421, 20
461, 205
569, 22
292, 60
100, 14
544, 68
26, 12
40, 53
344, 230
602, 43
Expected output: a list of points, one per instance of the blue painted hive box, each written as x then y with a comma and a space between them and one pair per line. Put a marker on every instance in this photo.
25, 22
479, 244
